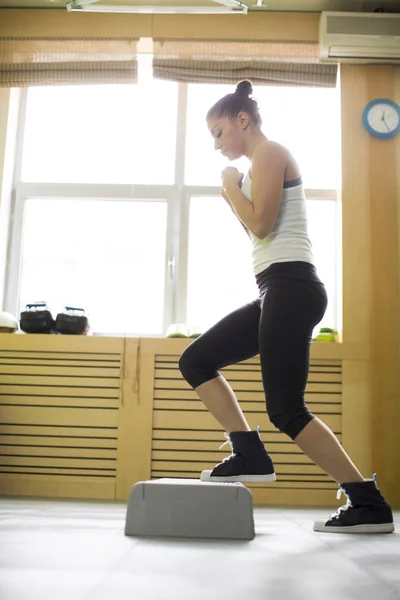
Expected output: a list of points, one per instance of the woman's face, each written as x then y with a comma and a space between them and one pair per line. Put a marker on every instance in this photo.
228, 134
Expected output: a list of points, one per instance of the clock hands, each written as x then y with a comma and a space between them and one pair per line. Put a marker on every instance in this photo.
383, 119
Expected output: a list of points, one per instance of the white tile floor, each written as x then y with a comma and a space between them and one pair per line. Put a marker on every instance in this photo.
66, 550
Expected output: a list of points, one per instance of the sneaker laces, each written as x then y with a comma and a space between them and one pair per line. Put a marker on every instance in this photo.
228, 441
337, 514
348, 504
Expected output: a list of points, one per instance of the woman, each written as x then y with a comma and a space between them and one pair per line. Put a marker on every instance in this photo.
271, 204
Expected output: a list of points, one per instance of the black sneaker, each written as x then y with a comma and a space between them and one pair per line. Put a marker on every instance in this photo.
366, 511
248, 463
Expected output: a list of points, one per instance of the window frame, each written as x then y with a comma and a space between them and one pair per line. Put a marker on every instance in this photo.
177, 197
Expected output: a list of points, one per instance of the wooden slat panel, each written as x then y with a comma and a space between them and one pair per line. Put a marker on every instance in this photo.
215, 435
216, 456
20, 442
80, 432
57, 401
178, 412
330, 362
58, 452
322, 367
72, 417
177, 459
20, 356
248, 376
245, 385
84, 440
298, 483
43, 390
245, 396
191, 473
294, 471
315, 365
49, 462
174, 358
58, 471
73, 372
168, 360
185, 419
258, 407
47, 380
63, 360
210, 446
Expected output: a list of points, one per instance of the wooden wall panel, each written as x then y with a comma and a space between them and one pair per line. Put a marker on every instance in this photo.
90, 441
59, 402
371, 276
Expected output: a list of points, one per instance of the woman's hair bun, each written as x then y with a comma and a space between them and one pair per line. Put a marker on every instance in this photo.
244, 88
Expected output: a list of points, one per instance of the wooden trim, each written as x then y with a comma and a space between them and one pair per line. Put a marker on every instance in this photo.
45, 22
60, 23
60, 343
139, 412
357, 279
128, 421
385, 316
253, 26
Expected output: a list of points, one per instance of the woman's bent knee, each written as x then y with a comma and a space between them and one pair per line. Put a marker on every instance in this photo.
195, 368
292, 423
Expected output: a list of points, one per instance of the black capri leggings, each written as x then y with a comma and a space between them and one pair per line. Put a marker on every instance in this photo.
278, 326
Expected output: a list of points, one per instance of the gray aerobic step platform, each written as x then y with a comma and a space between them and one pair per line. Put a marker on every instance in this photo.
190, 508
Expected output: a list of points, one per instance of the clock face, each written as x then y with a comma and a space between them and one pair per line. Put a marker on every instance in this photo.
382, 118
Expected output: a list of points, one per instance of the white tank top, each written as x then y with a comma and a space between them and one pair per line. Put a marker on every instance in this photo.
289, 240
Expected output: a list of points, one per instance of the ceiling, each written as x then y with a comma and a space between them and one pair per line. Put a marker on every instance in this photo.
271, 5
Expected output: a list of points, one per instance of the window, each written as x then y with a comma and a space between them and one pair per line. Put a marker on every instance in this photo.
219, 263
105, 256
118, 206
101, 134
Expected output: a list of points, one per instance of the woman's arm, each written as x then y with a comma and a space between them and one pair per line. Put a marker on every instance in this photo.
225, 197
268, 173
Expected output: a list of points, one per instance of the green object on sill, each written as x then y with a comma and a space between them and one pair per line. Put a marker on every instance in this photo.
178, 330
326, 334
182, 330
